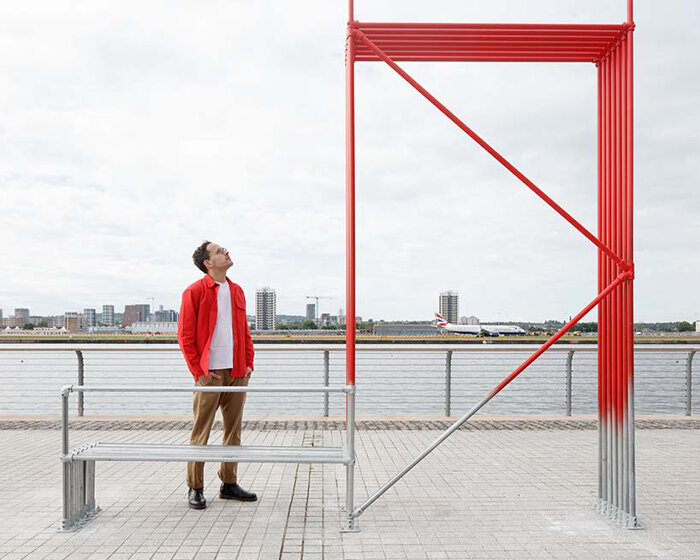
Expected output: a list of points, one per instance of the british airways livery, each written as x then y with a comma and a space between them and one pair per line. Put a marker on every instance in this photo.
460, 329
476, 330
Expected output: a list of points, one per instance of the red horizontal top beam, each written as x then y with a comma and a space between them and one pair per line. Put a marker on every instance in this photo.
489, 41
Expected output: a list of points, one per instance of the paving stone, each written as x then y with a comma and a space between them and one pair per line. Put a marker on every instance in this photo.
521, 490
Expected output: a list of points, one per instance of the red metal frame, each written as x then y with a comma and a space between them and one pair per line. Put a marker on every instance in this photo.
609, 47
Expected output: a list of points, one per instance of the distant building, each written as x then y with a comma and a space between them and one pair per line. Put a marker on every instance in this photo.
0, 313
105, 330
341, 317
71, 321
108, 315
89, 318
697, 325
137, 313
311, 311
265, 309
325, 319
404, 328
449, 306
21, 316
152, 327
471, 320
166, 315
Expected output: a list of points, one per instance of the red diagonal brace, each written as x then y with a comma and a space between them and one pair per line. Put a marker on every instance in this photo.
359, 35
622, 277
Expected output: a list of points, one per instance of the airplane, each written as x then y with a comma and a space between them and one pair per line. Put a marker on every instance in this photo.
459, 329
476, 330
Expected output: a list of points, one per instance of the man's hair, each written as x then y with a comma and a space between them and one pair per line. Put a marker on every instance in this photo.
200, 255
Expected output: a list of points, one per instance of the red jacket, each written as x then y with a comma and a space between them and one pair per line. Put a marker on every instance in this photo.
197, 322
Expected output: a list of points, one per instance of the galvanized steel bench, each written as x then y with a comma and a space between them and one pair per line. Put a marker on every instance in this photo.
79, 464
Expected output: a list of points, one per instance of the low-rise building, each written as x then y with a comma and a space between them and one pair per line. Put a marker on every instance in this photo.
154, 327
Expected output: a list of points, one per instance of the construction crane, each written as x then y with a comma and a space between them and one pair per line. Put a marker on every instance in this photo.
316, 308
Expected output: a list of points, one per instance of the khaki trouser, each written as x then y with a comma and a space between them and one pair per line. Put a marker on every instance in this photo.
204, 408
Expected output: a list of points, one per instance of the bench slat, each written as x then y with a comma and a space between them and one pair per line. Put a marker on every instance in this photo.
208, 453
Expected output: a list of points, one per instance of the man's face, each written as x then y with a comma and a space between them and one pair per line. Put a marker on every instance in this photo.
219, 258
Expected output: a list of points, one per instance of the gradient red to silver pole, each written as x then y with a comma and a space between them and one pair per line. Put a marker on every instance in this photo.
609, 47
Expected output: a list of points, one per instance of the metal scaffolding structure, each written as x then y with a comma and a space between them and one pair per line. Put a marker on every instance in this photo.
610, 48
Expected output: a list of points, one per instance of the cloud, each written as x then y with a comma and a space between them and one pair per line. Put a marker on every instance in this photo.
130, 132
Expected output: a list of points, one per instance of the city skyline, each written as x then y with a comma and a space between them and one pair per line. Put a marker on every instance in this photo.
85, 187
170, 315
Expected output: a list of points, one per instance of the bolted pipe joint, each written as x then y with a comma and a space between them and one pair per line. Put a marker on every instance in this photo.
628, 269
66, 390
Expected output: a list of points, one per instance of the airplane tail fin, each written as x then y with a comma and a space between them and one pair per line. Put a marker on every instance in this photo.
440, 320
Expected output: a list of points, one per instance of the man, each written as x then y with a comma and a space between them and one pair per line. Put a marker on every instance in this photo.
215, 340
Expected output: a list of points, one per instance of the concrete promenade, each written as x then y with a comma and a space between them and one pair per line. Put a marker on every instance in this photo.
506, 487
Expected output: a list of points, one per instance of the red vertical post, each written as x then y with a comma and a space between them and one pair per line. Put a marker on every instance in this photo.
629, 101
608, 275
350, 206
624, 287
601, 256
618, 302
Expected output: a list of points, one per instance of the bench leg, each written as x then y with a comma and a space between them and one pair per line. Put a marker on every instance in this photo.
90, 506
78, 494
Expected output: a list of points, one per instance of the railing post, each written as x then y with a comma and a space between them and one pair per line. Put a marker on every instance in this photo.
448, 383
326, 380
81, 379
569, 360
689, 383
67, 467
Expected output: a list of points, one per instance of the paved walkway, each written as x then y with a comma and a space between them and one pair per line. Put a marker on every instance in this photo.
508, 492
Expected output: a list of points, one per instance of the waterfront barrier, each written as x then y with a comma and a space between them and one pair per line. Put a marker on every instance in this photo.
446, 377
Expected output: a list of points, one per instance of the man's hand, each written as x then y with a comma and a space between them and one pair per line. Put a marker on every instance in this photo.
215, 375
248, 371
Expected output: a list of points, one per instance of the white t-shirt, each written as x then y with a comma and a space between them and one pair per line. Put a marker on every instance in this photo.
221, 349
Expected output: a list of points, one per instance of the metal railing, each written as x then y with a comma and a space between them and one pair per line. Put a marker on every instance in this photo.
561, 380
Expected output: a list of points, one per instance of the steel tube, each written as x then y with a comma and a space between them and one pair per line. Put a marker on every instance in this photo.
623, 293
455, 426
66, 466
326, 381
602, 308
601, 423
448, 383
90, 504
472, 42
157, 389
340, 348
350, 519
569, 360
350, 291
614, 245
483, 58
361, 36
178, 448
508, 27
623, 297
608, 304
350, 325
447, 56
81, 381
630, 239
689, 383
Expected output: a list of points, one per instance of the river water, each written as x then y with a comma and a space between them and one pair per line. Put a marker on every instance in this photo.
388, 382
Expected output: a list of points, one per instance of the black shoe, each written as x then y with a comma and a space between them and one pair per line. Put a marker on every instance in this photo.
196, 498
233, 491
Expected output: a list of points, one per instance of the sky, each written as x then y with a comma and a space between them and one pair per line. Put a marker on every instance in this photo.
132, 131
